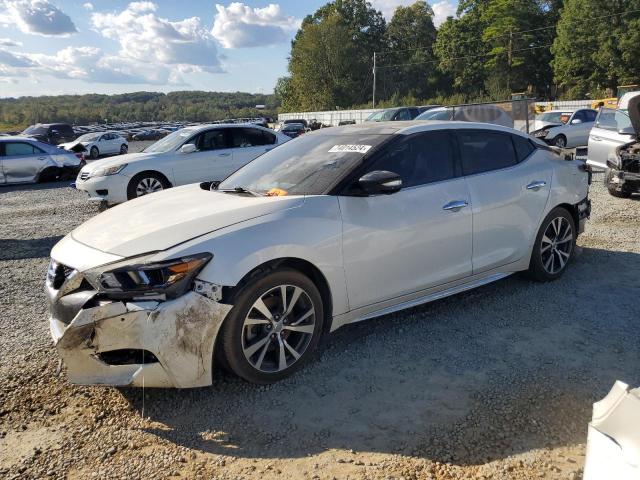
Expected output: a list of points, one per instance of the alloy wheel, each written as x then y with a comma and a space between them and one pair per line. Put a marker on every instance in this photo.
278, 328
148, 185
556, 245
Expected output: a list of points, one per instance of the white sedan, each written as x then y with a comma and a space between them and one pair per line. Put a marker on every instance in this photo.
96, 144
193, 154
338, 226
569, 132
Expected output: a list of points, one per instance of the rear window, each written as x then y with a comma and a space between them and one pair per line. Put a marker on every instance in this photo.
523, 147
484, 151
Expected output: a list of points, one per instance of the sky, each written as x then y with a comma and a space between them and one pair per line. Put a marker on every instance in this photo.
54, 47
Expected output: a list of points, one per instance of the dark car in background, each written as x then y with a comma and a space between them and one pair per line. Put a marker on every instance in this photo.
52, 133
293, 130
394, 114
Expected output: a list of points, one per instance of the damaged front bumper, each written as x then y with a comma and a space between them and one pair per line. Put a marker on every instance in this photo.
134, 343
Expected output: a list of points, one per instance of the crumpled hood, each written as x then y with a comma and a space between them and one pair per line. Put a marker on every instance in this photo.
164, 219
634, 113
118, 160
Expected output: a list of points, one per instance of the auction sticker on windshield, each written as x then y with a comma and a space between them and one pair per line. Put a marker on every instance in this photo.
350, 149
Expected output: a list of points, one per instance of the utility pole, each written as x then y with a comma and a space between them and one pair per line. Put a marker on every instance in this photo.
374, 79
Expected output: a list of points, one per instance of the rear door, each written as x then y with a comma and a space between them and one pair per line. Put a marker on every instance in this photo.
579, 133
605, 136
509, 186
213, 159
22, 162
249, 143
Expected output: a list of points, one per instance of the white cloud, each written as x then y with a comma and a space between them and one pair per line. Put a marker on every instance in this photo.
239, 25
442, 10
38, 17
12, 60
88, 6
7, 42
145, 37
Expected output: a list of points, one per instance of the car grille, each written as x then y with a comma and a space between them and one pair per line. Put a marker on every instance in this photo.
84, 175
57, 274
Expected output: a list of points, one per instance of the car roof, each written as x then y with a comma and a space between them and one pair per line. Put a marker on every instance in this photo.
199, 128
409, 127
18, 138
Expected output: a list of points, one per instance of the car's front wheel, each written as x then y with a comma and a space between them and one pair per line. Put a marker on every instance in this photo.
560, 141
554, 246
145, 183
123, 149
274, 326
94, 153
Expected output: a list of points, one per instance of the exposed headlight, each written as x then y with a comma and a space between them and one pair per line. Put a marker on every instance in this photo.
541, 133
103, 172
171, 278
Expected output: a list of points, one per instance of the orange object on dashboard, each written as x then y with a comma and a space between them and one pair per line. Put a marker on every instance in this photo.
277, 192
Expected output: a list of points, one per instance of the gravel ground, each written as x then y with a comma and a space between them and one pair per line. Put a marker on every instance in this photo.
494, 383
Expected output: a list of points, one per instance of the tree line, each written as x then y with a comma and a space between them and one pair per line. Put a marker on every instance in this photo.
549, 49
192, 106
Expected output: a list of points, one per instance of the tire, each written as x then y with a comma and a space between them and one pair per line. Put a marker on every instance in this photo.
614, 189
560, 141
94, 153
124, 149
554, 246
254, 346
146, 182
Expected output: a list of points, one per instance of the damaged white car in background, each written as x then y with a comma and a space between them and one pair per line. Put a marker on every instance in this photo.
338, 226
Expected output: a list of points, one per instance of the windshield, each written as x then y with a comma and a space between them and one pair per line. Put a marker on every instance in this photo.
556, 117
36, 130
434, 115
308, 165
171, 142
293, 126
381, 116
89, 137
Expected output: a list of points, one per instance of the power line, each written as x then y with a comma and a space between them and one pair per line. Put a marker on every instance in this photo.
464, 57
519, 32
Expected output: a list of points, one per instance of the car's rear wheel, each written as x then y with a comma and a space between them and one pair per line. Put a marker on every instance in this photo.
613, 188
145, 183
560, 141
274, 326
123, 149
94, 153
554, 246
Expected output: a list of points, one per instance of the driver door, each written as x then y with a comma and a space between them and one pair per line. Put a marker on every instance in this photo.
212, 160
413, 239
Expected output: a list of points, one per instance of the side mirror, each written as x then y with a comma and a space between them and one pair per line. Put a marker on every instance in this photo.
576, 121
627, 131
188, 148
380, 181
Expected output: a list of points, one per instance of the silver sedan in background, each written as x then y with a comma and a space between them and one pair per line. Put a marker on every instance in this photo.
24, 160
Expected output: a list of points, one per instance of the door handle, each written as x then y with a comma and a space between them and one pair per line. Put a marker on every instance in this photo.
537, 185
456, 205
596, 139
42, 159
227, 154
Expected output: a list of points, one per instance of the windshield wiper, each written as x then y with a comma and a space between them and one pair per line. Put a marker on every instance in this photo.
240, 190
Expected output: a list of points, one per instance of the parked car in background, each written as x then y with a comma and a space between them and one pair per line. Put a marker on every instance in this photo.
192, 154
148, 135
552, 117
291, 120
341, 225
293, 130
96, 144
25, 160
622, 174
611, 130
394, 114
53, 133
570, 134
484, 113
425, 108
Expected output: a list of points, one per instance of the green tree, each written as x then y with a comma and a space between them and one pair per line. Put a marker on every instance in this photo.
410, 37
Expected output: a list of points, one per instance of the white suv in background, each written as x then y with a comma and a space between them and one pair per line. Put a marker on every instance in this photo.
190, 155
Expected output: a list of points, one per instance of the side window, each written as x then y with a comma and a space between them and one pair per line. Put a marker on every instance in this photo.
403, 114
211, 140
419, 159
614, 120
17, 149
269, 138
246, 137
523, 147
483, 151
590, 115
580, 115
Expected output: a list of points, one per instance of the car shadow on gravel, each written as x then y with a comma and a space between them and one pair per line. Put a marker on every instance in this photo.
503, 369
20, 249
35, 186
